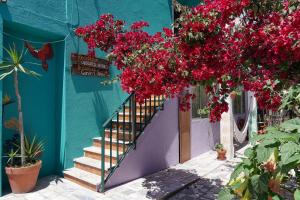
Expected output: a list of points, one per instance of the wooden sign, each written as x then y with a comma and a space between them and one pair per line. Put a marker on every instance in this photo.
89, 66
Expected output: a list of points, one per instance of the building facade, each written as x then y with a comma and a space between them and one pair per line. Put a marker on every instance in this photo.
66, 110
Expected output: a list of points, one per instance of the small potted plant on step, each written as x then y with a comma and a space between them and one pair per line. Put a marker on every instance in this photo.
23, 168
221, 152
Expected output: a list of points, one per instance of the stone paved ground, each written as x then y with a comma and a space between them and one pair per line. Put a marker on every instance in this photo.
206, 187
207, 173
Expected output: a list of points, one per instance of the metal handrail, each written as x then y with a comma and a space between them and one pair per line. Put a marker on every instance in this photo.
127, 132
117, 111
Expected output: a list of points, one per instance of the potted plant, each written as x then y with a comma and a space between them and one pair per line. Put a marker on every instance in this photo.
221, 152
22, 176
233, 95
203, 112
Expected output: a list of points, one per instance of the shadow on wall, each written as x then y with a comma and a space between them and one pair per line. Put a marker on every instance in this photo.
157, 148
101, 111
158, 185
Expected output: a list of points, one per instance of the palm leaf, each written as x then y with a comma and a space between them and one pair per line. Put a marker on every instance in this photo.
21, 68
21, 55
31, 73
2, 76
15, 63
5, 66
9, 52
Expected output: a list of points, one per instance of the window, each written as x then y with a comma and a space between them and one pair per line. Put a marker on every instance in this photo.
199, 108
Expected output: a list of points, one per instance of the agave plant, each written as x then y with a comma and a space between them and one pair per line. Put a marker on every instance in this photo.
12, 66
33, 150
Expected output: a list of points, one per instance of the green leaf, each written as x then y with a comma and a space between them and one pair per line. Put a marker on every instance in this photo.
276, 197
4, 65
21, 68
297, 195
31, 73
225, 194
249, 153
260, 183
263, 153
237, 171
287, 150
3, 75
290, 163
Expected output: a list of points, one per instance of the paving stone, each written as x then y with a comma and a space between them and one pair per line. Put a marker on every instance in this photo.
210, 175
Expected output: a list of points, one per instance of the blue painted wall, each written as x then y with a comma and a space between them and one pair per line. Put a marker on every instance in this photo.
1, 135
64, 110
190, 3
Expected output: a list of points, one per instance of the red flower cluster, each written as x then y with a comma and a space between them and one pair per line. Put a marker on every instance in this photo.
222, 44
102, 34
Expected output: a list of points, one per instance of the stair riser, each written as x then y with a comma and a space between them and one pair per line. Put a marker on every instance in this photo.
88, 168
81, 182
121, 136
157, 103
127, 118
143, 110
98, 157
127, 126
97, 143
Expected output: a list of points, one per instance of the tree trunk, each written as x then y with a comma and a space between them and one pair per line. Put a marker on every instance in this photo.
20, 121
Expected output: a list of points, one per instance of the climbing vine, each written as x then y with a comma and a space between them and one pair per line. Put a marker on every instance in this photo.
225, 45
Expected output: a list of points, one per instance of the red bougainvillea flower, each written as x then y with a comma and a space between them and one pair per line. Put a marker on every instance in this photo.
224, 45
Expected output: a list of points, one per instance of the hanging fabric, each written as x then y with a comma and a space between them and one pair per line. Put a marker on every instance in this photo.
241, 135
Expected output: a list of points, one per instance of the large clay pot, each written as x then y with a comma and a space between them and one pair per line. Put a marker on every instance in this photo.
23, 179
221, 154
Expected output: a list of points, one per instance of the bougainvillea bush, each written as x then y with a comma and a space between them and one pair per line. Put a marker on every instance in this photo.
270, 168
225, 45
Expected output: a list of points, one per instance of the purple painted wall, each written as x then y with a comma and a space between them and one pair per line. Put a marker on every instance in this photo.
157, 148
204, 136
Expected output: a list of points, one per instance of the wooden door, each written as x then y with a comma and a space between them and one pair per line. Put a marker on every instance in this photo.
184, 136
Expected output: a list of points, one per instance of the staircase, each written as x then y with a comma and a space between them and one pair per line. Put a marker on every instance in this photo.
121, 131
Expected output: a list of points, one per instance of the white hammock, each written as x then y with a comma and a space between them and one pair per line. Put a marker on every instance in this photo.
241, 135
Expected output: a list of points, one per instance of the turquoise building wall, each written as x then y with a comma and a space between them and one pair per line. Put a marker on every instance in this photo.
1, 138
190, 3
66, 111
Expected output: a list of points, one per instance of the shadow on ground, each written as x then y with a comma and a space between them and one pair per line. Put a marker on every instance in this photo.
45, 182
202, 189
162, 184
41, 184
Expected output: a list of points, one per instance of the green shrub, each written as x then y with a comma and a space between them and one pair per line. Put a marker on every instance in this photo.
271, 161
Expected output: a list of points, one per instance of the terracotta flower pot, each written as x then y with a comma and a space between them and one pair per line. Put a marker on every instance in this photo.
233, 95
221, 154
23, 179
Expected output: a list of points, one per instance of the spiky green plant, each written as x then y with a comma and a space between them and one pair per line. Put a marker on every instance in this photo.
33, 149
12, 66
11, 157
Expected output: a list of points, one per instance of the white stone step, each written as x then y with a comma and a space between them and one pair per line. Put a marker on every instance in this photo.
91, 162
112, 140
83, 176
97, 150
126, 121
114, 131
127, 114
